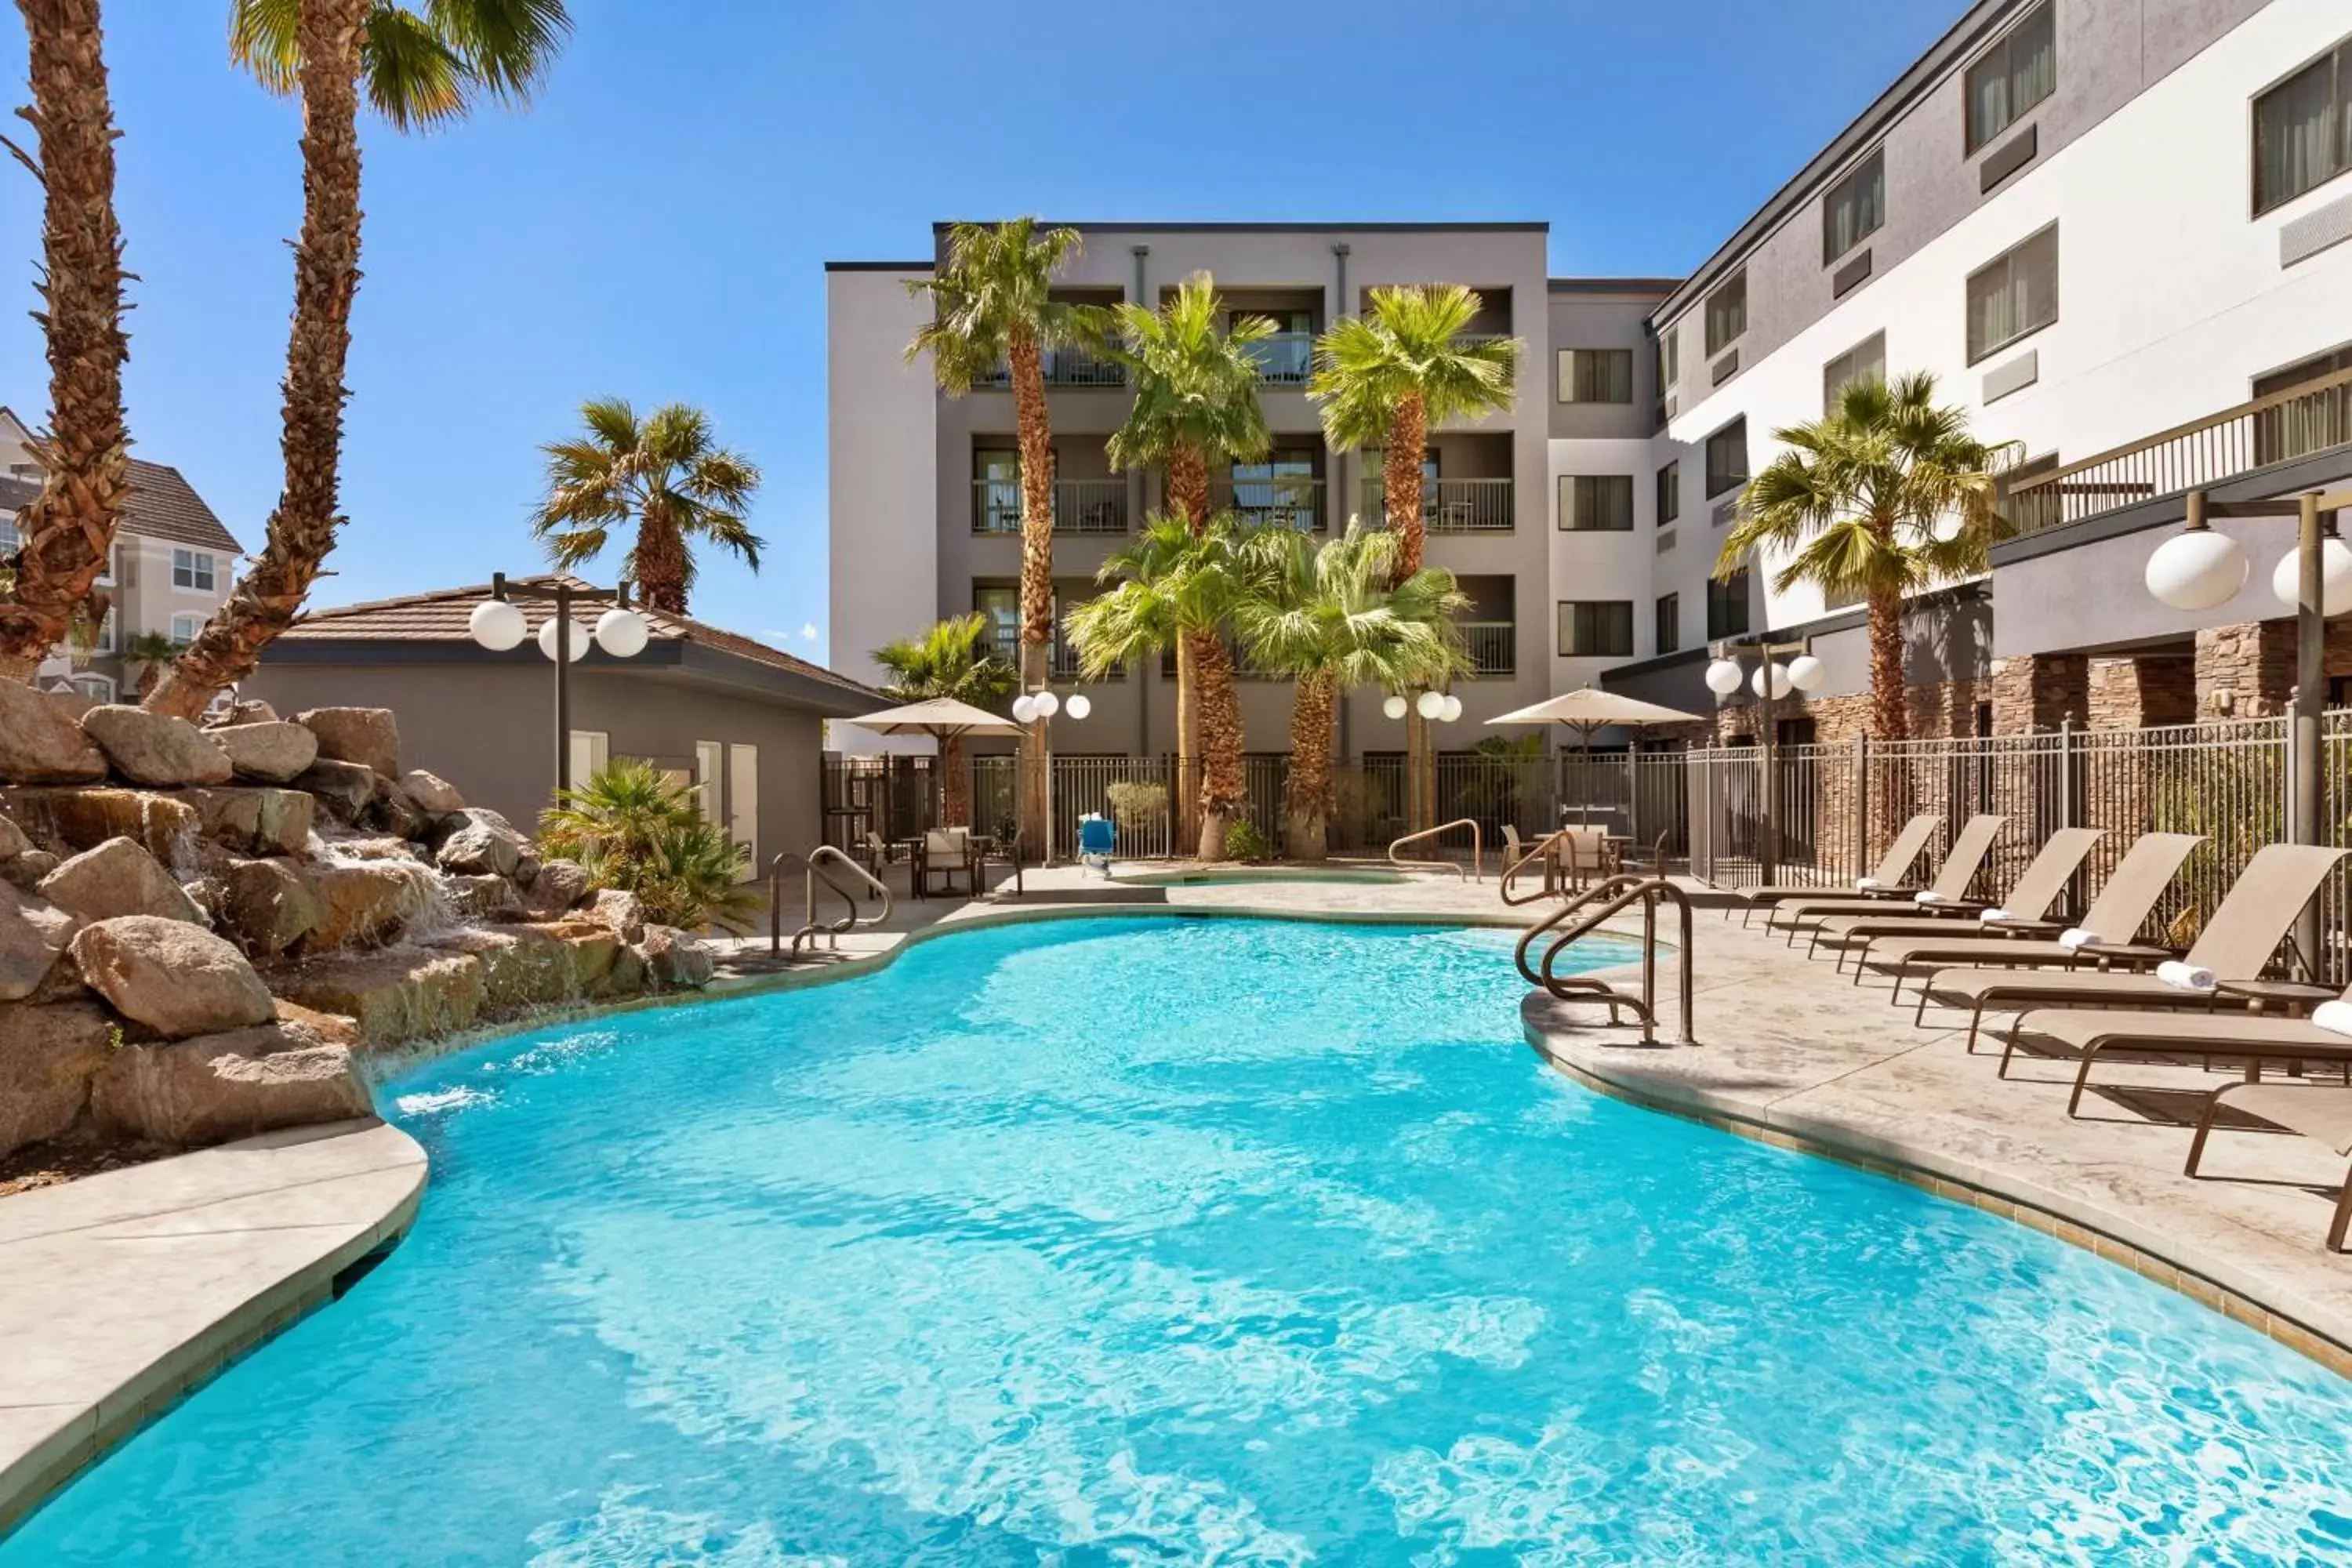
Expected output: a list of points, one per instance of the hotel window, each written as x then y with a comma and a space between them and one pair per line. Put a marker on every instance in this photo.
1670, 357
184, 629
1596, 628
2303, 130
1001, 603
1670, 493
1727, 313
1855, 208
1726, 606
996, 487
2012, 76
1596, 375
2307, 424
1596, 503
1670, 622
1727, 459
96, 688
192, 568
1867, 360
2014, 295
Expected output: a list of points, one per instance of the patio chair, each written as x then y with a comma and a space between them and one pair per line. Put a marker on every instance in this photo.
2316, 1111
2037, 888
2088, 1034
2113, 917
1885, 880
1098, 838
1950, 890
2236, 944
1585, 853
948, 853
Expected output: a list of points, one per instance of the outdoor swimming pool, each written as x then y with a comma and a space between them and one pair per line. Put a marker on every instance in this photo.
1192, 1241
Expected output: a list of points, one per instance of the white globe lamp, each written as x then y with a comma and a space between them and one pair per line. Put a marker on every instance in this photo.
1394, 707
2197, 570
1723, 676
579, 639
497, 625
1453, 709
1024, 708
2335, 577
1779, 676
1806, 673
1079, 705
1048, 705
622, 633
1429, 704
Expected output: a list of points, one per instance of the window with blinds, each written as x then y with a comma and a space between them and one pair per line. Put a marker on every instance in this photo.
1670, 622
1596, 628
1670, 493
2014, 295
1727, 459
1855, 208
1596, 375
2303, 130
1867, 360
2012, 76
1596, 503
1727, 313
1726, 606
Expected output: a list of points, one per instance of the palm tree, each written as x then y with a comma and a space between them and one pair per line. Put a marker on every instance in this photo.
421, 66
955, 659
993, 304
151, 651
1885, 495
68, 528
1195, 401
1334, 617
1172, 584
1384, 379
664, 474
631, 827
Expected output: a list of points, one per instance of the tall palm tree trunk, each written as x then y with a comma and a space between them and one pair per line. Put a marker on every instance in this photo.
1890, 716
1220, 740
955, 784
326, 274
1308, 802
1401, 495
68, 528
1188, 491
661, 564
1034, 429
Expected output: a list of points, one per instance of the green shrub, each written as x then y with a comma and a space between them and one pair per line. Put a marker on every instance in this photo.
1244, 842
632, 829
1136, 804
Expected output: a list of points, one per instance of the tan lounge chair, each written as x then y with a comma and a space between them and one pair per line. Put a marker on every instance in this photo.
2132, 890
2324, 1113
2028, 899
1953, 879
2236, 944
2090, 1033
1889, 873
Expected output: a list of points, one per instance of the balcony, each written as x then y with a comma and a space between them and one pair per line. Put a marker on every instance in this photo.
1062, 661
1067, 365
1447, 506
1283, 502
1284, 359
1490, 647
1080, 506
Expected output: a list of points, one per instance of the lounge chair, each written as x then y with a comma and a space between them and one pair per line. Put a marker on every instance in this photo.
1950, 890
2037, 888
2115, 916
1886, 877
2316, 1111
2236, 944
2090, 1033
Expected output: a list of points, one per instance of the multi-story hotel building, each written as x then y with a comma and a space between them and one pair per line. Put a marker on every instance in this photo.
2118, 232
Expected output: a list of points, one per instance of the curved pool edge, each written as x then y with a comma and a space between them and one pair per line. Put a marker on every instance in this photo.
2077, 1219
129, 1289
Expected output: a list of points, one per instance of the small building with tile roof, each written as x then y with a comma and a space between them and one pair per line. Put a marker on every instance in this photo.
739, 720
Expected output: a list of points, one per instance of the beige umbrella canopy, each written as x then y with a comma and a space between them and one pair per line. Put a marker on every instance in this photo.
938, 718
1585, 711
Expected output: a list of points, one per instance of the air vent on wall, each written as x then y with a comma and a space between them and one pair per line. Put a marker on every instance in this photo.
1842, 280
2315, 231
2015, 376
1725, 367
2006, 159
1666, 539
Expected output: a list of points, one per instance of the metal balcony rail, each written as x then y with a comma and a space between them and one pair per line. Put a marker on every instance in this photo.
2297, 422
1448, 506
1594, 905
1491, 647
811, 865
1069, 365
1282, 502
1430, 834
1284, 359
1080, 506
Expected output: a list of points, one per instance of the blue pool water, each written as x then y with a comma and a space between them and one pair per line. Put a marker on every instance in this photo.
1192, 1242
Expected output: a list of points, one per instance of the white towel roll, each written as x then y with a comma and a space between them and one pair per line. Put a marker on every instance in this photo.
2185, 977
1868, 884
2076, 937
1928, 896
1991, 916
2334, 1017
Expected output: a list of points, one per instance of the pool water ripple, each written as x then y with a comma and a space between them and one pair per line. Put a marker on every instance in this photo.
1222, 1242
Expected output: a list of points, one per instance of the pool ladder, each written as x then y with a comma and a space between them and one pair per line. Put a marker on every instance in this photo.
1595, 904
812, 865
1477, 872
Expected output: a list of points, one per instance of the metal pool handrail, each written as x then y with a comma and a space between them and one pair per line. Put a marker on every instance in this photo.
1539, 850
1620, 890
811, 926
1477, 848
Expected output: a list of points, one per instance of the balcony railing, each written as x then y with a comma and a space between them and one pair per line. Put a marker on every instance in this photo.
1285, 502
1062, 661
1080, 506
1491, 647
1067, 365
2298, 422
1284, 359
1448, 506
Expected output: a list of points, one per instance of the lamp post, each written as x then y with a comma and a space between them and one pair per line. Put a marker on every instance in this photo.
1771, 682
499, 623
1437, 708
1038, 708
2199, 569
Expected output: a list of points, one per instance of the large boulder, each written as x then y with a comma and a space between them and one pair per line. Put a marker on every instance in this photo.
593, 949
559, 885
521, 966
233, 1085
392, 811
480, 848
432, 793
675, 960
345, 789
273, 752
253, 712
27, 870
118, 878
13, 841
40, 744
155, 748
267, 906
480, 898
164, 825
394, 994
48, 1058
622, 913
366, 901
33, 932
254, 819
369, 736
180, 980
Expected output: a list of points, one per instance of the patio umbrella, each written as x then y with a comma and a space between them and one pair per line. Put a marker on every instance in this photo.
1585, 711
941, 718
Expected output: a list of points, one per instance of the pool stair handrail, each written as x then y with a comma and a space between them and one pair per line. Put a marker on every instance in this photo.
1539, 851
1595, 904
813, 866
1477, 849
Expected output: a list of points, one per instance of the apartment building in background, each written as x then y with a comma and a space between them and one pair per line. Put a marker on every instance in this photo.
174, 563
2118, 233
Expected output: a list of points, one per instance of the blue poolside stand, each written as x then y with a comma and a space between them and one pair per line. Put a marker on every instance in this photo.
1098, 837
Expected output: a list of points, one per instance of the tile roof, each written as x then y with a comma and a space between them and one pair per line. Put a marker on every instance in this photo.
443, 617
163, 505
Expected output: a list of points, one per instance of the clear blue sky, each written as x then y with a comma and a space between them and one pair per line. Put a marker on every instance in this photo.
654, 225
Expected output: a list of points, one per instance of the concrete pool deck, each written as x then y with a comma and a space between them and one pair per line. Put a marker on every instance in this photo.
121, 1292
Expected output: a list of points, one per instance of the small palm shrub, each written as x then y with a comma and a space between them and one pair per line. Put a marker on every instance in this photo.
1244, 842
633, 828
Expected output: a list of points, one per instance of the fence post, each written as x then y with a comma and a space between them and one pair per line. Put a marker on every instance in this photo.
1860, 795
2067, 763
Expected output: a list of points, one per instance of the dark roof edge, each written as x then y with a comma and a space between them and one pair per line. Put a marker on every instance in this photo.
1612, 285
1542, 227
1962, 39
923, 265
